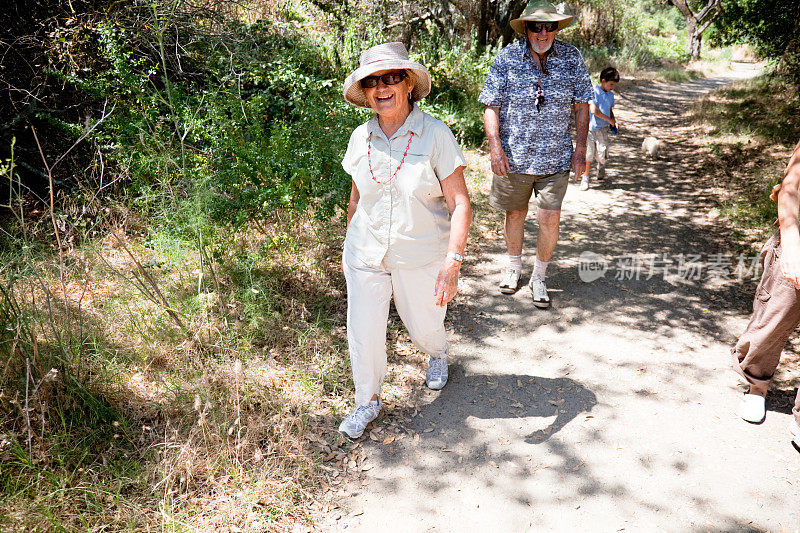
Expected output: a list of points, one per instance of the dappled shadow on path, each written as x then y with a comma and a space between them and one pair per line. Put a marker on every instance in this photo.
532, 443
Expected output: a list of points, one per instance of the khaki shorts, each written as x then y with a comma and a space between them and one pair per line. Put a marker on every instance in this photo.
512, 192
597, 145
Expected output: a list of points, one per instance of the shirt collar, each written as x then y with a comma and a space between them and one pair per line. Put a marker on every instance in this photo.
412, 124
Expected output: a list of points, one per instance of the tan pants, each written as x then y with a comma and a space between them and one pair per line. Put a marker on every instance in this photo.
368, 293
776, 314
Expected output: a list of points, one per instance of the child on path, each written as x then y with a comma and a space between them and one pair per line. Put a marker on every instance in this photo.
601, 123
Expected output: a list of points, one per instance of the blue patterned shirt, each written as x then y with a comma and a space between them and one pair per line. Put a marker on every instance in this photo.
536, 141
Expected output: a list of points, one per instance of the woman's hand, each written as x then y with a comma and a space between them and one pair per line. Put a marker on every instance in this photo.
447, 282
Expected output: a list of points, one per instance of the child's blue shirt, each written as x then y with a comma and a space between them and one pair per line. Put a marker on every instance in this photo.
604, 101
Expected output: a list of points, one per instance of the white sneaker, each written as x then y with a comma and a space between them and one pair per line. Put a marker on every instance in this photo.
510, 282
753, 408
436, 376
539, 291
354, 424
585, 183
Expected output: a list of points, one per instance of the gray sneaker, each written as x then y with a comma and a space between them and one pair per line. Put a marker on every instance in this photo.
436, 377
539, 292
353, 425
510, 282
601, 173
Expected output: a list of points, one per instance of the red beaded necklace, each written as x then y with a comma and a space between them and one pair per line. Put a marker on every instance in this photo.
369, 160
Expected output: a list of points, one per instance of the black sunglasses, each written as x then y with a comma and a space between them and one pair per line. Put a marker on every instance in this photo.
390, 78
536, 27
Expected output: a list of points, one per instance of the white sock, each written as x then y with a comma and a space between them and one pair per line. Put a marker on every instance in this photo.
540, 269
515, 262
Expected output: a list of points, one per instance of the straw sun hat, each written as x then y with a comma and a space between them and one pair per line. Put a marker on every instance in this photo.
387, 56
541, 11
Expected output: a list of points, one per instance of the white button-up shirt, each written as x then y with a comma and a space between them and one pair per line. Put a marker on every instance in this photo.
406, 221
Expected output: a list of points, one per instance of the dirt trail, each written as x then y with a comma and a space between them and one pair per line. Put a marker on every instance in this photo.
612, 411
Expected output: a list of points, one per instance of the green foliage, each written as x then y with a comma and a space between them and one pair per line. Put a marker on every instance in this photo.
457, 75
769, 25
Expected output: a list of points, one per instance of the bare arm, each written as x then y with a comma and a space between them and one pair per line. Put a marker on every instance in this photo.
455, 193
594, 110
491, 125
582, 131
788, 205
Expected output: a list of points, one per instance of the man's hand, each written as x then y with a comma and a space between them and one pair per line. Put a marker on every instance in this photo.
499, 161
447, 282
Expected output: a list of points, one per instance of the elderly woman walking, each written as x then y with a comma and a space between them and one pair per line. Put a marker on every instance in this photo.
407, 223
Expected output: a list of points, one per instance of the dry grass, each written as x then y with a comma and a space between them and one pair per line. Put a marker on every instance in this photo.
746, 132
226, 425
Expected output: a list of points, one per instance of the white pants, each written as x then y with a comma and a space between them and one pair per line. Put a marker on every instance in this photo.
368, 294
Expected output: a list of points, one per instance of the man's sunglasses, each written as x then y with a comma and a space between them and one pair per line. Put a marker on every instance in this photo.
536, 27
390, 78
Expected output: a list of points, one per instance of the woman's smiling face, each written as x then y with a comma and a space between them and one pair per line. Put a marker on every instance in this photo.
389, 101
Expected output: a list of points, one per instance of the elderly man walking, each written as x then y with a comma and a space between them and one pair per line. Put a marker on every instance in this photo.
533, 86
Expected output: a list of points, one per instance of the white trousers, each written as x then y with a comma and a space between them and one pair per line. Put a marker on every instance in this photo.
368, 294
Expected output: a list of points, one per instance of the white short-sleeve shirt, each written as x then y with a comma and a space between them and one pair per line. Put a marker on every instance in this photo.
405, 221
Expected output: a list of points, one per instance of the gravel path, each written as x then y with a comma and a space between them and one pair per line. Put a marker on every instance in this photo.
612, 411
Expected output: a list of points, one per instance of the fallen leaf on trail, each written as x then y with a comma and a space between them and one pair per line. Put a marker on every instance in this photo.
492, 384
460, 459
517, 404
416, 438
374, 436
557, 403
388, 440
492, 463
427, 430
329, 457
365, 468
519, 384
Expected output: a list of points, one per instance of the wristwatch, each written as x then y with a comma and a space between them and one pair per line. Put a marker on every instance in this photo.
454, 255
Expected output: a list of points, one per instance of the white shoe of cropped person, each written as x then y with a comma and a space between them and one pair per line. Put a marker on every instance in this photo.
354, 424
752, 408
539, 293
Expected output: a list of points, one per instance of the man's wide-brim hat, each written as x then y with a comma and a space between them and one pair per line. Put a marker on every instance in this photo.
387, 56
539, 11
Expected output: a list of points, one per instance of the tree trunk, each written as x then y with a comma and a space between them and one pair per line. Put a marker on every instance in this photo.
695, 40
696, 23
483, 25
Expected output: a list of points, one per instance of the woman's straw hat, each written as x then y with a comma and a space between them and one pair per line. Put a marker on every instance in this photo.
541, 11
387, 56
